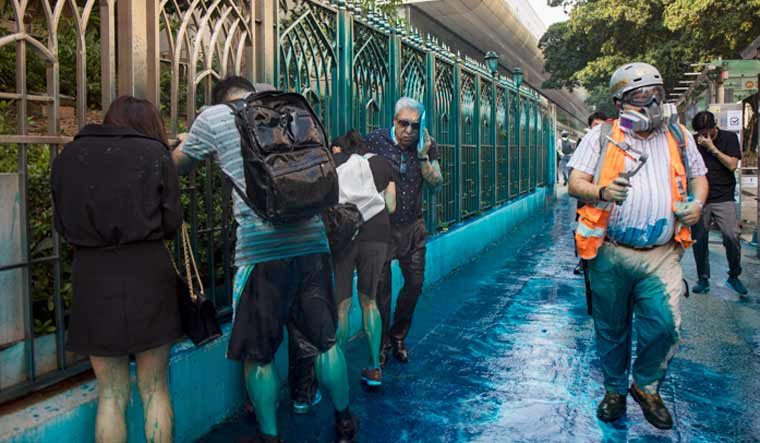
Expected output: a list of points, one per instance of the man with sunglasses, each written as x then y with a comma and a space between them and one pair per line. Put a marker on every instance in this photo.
643, 182
414, 155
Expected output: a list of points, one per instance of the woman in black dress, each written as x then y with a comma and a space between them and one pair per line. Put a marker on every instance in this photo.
116, 196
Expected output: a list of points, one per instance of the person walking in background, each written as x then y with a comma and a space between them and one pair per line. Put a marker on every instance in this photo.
283, 276
594, 119
643, 182
567, 149
721, 153
414, 155
116, 196
597, 118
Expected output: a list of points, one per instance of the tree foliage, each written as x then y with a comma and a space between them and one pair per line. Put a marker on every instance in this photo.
601, 35
387, 7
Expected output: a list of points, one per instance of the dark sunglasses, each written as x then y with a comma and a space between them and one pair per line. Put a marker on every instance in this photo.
407, 123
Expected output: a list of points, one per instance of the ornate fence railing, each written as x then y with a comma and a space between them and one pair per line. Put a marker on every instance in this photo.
62, 63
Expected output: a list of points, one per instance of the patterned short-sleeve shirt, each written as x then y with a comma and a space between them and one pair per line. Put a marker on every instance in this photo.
408, 170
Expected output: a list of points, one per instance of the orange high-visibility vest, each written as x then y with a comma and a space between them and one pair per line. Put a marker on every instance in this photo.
594, 217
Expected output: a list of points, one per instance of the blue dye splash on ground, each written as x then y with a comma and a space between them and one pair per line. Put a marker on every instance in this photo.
503, 351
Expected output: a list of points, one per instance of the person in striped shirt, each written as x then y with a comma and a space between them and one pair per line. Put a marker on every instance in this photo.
283, 273
643, 182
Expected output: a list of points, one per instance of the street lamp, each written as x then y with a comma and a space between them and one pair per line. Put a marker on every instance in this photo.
492, 60
517, 77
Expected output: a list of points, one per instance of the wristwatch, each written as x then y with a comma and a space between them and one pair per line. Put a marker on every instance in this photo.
425, 158
601, 194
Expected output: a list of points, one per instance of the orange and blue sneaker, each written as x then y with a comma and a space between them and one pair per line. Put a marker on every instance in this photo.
304, 406
372, 377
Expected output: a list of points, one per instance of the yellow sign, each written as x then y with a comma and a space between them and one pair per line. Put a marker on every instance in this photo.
749, 84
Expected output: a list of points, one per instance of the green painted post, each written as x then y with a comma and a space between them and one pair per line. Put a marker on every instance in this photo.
343, 89
431, 123
552, 160
394, 71
518, 140
479, 126
531, 146
508, 103
537, 144
494, 142
457, 113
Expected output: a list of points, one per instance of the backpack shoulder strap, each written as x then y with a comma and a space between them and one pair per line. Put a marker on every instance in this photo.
604, 132
677, 131
236, 105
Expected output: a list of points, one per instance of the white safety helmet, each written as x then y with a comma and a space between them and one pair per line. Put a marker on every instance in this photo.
632, 76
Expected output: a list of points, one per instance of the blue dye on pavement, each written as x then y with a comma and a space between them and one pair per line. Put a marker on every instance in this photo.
503, 351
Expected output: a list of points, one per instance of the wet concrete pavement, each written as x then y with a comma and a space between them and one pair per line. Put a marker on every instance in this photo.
503, 351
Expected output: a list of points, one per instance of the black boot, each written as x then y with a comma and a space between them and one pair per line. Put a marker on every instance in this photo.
612, 407
653, 408
384, 350
260, 438
346, 427
400, 352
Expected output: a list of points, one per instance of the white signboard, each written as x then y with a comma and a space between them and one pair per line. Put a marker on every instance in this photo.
733, 120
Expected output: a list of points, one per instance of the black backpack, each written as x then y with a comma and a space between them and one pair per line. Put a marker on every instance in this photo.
342, 223
289, 171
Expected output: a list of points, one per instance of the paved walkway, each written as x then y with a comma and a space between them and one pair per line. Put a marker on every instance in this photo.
503, 351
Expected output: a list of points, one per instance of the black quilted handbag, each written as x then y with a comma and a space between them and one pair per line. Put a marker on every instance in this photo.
342, 223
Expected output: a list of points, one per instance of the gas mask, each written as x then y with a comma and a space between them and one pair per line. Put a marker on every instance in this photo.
652, 112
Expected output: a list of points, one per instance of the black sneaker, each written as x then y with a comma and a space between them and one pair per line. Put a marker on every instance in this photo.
346, 429
612, 407
737, 285
702, 286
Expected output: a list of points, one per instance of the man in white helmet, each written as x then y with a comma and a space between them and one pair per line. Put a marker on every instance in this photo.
644, 184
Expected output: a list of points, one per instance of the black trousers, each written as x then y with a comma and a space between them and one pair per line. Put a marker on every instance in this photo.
408, 245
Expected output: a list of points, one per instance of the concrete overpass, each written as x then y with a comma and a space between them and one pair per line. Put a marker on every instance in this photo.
511, 28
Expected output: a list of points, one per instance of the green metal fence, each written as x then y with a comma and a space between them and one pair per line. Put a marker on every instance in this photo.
353, 65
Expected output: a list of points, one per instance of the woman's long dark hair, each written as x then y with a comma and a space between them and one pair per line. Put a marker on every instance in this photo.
138, 114
351, 143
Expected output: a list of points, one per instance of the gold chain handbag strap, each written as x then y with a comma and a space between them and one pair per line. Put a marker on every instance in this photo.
189, 257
